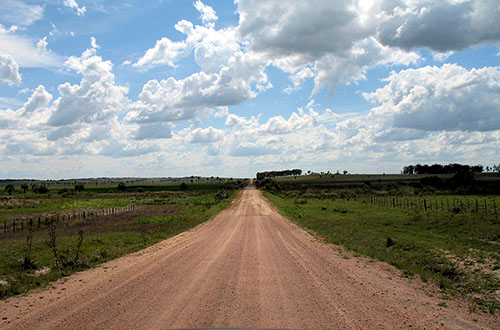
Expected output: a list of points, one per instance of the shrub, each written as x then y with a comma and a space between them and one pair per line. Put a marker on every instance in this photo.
268, 184
63, 191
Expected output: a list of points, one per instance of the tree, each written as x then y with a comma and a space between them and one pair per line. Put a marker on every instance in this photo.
79, 187
9, 189
121, 186
24, 187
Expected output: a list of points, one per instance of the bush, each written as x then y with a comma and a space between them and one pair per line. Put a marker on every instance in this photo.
220, 196
268, 184
42, 189
63, 191
183, 186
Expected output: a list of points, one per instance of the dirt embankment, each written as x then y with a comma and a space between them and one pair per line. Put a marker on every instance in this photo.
247, 268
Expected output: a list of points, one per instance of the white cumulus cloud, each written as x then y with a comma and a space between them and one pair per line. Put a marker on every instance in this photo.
438, 25
206, 135
38, 100
208, 15
447, 98
174, 100
9, 70
96, 98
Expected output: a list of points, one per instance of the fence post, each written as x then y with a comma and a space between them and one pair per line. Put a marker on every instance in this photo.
477, 206
485, 207
425, 205
22, 224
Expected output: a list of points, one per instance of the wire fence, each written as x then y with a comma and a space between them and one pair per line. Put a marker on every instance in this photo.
35, 222
437, 204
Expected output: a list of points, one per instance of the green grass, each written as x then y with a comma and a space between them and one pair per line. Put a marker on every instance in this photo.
458, 252
105, 239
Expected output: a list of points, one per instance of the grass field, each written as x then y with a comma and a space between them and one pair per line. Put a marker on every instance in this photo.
374, 178
163, 215
91, 198
459, 252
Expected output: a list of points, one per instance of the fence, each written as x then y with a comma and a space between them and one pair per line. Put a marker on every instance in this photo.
456, 205
36, 222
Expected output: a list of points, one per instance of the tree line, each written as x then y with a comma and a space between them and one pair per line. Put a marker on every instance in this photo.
276, 174
442, 169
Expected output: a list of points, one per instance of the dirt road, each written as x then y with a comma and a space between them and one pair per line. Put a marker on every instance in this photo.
247, 268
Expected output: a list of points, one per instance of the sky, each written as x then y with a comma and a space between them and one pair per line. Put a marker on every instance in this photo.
174, 88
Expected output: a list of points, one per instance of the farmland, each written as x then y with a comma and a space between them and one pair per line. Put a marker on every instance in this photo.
47, 236
438, 232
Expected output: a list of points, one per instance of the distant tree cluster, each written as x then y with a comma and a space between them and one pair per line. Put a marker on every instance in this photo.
494, 168
276, 174
442, 169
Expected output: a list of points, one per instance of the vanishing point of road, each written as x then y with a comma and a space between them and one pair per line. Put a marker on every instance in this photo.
247, 268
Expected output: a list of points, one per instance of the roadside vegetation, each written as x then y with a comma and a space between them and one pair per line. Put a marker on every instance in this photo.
458, 250
35, 256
